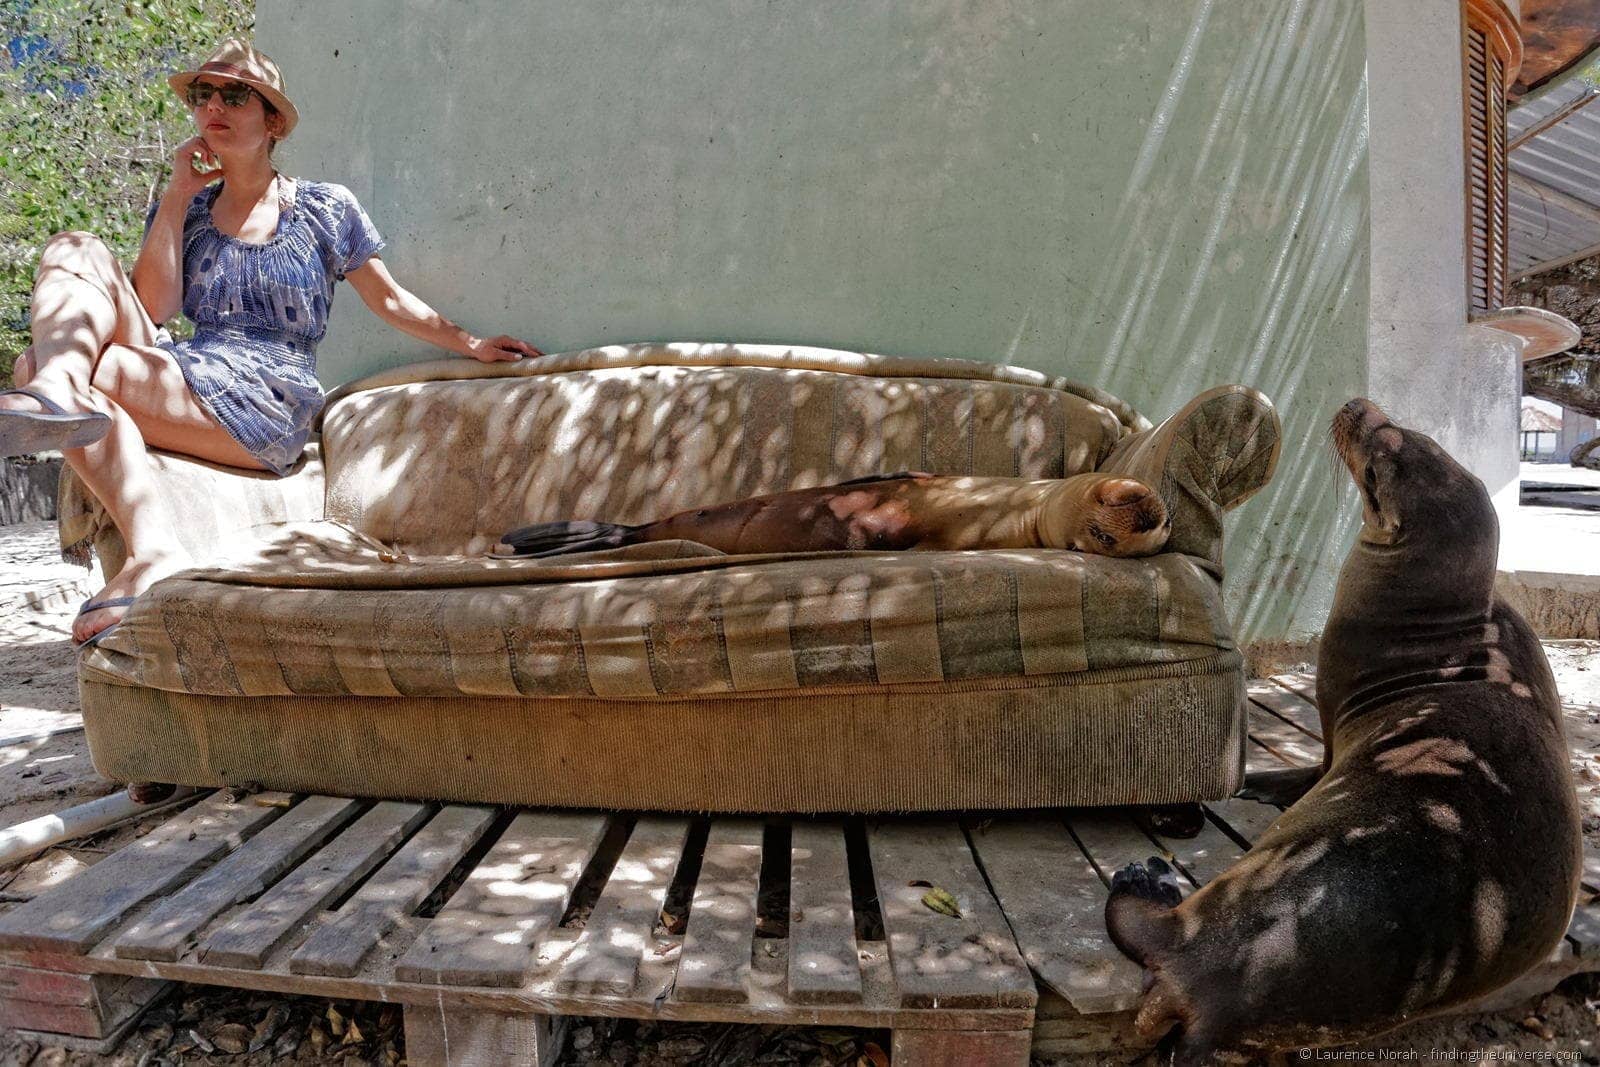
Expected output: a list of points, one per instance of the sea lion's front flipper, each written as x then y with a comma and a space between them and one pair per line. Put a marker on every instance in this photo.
1280, 786
1139, 909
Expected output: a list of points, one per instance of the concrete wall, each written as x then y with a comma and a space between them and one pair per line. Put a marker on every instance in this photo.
1428, 368
1154, 196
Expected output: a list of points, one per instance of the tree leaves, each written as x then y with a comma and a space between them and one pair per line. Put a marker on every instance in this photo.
87, 123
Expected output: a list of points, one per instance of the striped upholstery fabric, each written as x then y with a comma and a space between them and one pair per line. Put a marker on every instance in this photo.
717, 626
443, 467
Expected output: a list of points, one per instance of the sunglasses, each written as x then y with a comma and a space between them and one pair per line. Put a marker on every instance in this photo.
233, 95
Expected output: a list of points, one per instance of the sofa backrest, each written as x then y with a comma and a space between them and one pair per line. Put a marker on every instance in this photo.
634, 433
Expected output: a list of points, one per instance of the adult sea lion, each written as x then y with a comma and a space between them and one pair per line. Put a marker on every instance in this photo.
1437, 857
1099, 513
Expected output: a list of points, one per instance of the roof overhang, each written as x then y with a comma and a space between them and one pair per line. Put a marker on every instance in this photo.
1557, 37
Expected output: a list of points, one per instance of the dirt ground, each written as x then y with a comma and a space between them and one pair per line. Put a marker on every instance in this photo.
204, 1025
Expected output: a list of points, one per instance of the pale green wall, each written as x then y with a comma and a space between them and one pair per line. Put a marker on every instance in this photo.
1154, 196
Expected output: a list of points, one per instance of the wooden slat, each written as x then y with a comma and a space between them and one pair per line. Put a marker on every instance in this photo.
1282, 740
824, 960
937, 960
1301, 683
1055, 902
1247, 818
249, 938
1584, 930
486, 935
607, 955
1203, 856
715, 962
1289, 706
71, 917
166, 933
395, 891
439, 1037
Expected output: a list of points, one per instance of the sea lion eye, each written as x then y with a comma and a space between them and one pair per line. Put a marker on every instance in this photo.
1104, 538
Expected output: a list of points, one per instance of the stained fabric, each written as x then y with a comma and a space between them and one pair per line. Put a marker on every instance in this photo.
323, 628
260, 309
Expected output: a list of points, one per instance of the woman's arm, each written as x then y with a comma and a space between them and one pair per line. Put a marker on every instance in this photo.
409, 313
158, 274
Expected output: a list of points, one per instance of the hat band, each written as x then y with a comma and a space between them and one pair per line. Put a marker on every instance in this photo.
226, 68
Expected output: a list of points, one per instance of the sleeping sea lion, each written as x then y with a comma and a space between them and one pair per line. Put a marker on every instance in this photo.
1098, 513
1437, 858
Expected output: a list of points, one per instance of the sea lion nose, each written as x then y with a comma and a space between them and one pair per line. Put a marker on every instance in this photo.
1120, 492
1369, 415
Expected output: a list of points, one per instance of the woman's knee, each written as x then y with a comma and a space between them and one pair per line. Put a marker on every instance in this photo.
74, 243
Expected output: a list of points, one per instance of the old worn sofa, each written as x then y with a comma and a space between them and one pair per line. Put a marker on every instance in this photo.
347, 632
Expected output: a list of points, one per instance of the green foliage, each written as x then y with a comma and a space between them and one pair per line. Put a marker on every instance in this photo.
88, 124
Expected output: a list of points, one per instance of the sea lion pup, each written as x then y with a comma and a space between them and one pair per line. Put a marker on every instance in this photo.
1438, 857
1099, 513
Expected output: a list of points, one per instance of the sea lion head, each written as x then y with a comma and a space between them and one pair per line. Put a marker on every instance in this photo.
1109, 516
1414, 497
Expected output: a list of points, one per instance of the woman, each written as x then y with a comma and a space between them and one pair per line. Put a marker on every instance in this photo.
253, 261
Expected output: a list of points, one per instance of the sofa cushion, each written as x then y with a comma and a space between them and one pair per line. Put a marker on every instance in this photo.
319, 613
639, 432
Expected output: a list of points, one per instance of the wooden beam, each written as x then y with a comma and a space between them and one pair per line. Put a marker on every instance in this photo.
1555, 118
1550, 194
1553, 264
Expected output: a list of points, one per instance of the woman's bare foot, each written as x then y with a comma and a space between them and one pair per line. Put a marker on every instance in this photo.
135, 577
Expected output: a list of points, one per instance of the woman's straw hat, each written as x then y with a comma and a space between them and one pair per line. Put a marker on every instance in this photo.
240, 60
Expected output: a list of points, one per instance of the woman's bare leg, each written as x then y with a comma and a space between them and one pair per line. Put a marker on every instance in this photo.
82, 304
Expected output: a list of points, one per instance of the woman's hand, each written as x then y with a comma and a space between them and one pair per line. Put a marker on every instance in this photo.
499, 349
185, 182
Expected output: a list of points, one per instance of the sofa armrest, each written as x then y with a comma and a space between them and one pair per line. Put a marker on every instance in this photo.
209, 504
1211, 456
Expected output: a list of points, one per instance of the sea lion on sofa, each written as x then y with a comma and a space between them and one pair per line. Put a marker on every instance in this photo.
1098, 513
1438, 857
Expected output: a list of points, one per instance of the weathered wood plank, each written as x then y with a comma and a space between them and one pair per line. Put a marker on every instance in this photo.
1302, 683
1584, 930
1205, 855
937, 960
73, 916
970, 1048
166, 932
395, 891
1247, 818
249, 938
714, 964
441, 1037
1288, 744
1112, 841
824, 961
1055, 902
487, 933
114, 1003
607, 954
1288, 706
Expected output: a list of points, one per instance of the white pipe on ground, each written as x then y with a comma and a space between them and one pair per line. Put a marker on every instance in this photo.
27, 838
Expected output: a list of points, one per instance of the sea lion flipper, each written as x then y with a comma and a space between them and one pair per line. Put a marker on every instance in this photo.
1139, 909
559, 538
1282, 787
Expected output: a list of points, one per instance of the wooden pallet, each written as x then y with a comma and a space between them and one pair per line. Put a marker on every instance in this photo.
489, 926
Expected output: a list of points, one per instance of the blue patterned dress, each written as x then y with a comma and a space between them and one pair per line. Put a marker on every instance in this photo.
260, 309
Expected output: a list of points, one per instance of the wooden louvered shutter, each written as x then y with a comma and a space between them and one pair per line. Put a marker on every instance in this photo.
1485, 97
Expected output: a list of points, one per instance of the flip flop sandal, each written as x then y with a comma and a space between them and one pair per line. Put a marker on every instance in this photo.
96, 605
23, 433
